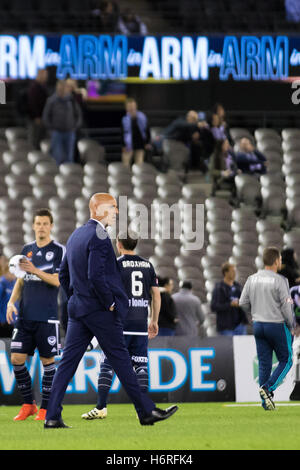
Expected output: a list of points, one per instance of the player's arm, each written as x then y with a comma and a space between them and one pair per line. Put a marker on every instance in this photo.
11, 309
244, 300
286, 302
29, 267
155, 309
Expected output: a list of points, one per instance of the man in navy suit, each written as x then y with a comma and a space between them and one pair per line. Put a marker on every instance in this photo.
97, 306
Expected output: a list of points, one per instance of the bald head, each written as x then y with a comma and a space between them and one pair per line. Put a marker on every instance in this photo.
103, 207
192, 117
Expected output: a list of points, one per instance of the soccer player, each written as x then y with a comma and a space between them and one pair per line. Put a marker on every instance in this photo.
266, 294
141, 285
37, 324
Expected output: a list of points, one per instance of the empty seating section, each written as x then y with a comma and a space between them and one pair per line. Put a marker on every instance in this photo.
186, 232
160, 16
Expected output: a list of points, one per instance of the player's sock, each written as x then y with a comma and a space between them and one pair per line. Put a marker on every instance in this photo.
142, 376
49, 371
23, 380
104, 384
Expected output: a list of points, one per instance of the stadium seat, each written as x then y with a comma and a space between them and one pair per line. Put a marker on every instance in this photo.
36, 156
269, 145
19, 191
61, 180
238, 133
291, 145
21, 145
14, 133
220, 249
273, 200
245, 249
171, 177
9, 157
161, 260
262, 133
45, 146
90, 151
270, 238
91, 168
46, 168
143, 168
218, 225
176, 154
248, 189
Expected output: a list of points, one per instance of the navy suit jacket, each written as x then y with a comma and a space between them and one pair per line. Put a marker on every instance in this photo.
89, 273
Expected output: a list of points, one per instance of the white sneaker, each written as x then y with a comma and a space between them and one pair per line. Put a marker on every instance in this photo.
95, 414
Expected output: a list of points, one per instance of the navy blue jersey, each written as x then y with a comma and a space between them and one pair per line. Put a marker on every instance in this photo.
39, 299
138, 276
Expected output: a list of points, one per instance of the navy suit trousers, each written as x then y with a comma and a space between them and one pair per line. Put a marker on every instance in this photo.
107, 328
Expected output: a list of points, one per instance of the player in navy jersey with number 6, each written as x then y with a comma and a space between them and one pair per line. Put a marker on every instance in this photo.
141, 285
37, 323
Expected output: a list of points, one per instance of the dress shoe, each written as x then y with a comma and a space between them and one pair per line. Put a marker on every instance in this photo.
158, 415
55, 423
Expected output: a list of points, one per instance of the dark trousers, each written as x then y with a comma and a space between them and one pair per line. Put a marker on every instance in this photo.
107, 328
273, 337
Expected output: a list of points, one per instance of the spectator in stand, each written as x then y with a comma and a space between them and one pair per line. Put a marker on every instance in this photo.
135, 134
63, 117
292, 8
7, 282
189, 311
107, 16
220, 111
36, 100
290, 267
194, 133
223, 168
250, 160
168, 315
231, 319
129, 23
216, 127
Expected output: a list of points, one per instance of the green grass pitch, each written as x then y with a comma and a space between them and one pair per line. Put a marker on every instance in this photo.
195, 426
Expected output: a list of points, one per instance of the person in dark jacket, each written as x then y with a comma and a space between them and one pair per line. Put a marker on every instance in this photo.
36, 99
231, 319
167, 319
249, 159
63, 117
290, 267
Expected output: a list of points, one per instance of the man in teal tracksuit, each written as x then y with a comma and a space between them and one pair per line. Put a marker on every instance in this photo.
266, 295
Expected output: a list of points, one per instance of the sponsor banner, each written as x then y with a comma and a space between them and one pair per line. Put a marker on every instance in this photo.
246, 372
180, 369
157, 58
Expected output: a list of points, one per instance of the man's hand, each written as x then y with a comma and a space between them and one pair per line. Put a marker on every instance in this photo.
152, 329
11, 310
234, 303
27, 266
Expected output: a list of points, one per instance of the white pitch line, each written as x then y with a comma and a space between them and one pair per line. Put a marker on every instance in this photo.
259, 404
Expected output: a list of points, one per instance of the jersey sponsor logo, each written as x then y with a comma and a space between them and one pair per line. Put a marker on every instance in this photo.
49, 255
16, 344
138, 303
39, 253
